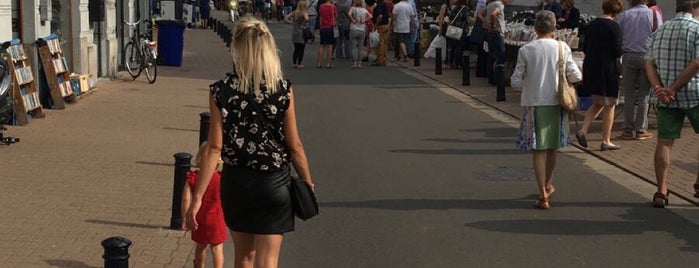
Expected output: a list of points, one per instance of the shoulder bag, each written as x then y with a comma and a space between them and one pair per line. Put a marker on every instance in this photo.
454, 32
566, 92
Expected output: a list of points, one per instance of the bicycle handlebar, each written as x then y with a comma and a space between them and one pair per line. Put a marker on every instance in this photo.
132, 24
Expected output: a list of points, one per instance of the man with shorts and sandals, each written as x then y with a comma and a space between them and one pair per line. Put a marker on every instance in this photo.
672, 66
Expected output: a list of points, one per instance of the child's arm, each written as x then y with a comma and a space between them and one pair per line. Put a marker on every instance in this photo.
186, 201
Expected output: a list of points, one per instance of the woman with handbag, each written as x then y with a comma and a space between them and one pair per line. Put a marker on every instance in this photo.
544, 128
603, 48
299, 20
457, 14
253, 129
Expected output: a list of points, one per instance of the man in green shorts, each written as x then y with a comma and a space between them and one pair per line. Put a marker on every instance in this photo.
672, 66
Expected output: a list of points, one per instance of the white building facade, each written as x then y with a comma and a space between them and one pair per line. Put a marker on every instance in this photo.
90, 30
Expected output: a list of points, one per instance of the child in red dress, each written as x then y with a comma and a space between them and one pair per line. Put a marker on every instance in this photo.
212, 228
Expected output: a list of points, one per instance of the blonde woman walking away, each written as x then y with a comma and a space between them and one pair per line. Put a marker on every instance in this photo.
358, 16
253, 129
544, 127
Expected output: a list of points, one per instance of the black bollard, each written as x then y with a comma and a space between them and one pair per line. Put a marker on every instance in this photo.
438, 61
204, 120
229, 37
116, 252
466, 68
416, 54
500, 80
182, 165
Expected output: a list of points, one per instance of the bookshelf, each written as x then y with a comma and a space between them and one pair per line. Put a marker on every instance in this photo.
25, 97
56, 70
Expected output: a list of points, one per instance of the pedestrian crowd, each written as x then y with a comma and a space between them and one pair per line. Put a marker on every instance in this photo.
658, 61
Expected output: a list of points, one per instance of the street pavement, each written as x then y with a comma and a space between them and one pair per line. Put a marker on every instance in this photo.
409, 170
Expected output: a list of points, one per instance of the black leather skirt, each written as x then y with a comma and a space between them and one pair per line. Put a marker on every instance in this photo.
256, 202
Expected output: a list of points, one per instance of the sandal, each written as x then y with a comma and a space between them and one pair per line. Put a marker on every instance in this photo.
661, 200
542, 203
696, 190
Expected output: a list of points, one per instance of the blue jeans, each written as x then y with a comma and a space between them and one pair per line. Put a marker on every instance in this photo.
496, 52
312, 23
410, 42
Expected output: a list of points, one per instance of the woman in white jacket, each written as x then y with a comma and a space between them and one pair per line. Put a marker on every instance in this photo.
544, 127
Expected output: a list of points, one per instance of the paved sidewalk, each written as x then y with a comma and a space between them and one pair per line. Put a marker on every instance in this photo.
104, 167
635, 156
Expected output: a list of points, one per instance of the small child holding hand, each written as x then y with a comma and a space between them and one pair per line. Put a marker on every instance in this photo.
212, 227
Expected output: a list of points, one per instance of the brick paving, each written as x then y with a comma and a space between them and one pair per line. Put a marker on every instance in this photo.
636, 156
103, 167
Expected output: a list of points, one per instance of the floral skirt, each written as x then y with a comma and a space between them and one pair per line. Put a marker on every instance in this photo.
543, 128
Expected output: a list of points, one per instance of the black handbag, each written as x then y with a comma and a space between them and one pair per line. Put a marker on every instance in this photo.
303, 200
307, 34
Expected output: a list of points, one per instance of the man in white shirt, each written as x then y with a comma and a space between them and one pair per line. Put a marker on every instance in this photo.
403, 15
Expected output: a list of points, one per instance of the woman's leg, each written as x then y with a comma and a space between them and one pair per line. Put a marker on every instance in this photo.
217, 254
607, 122
267, 247
302, 49
330, 55
244, 245
550, 168
355, 47
360, 43
539, 159
295, 56
320, 55
590, 116
200, 256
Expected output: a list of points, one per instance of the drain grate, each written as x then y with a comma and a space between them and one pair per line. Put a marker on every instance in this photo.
505, 174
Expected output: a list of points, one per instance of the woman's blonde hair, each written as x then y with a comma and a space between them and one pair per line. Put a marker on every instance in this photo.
301, 8
255, 56
358, 3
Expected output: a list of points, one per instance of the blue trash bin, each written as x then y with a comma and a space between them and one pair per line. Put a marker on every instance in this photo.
170, 42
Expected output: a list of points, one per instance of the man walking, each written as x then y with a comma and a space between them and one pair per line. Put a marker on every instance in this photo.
403, 16
637, 25
381, 19
672, 64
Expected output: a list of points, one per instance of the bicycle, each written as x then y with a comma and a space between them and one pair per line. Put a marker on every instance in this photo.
142, 57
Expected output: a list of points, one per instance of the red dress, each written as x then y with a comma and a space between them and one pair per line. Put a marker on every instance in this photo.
212, 227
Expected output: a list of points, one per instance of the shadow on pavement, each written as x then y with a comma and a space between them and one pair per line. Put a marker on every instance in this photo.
181, 129
456, 140
127, 224
526, 202
640, 219
155, 163
457, 151
499, 132
68, 263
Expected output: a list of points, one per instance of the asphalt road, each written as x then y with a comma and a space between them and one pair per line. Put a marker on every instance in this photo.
413, 175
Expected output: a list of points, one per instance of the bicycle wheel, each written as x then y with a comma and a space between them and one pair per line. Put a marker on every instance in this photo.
132, 59
151, 69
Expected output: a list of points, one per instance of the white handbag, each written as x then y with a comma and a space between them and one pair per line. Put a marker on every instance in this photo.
454, 32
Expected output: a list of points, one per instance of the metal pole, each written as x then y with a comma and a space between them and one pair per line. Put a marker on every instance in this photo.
116, 252
500, 80
182, 165
416, 53
466, 68
204, 120
438, 61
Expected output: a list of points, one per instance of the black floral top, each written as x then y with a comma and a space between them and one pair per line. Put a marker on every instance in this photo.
253, 125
